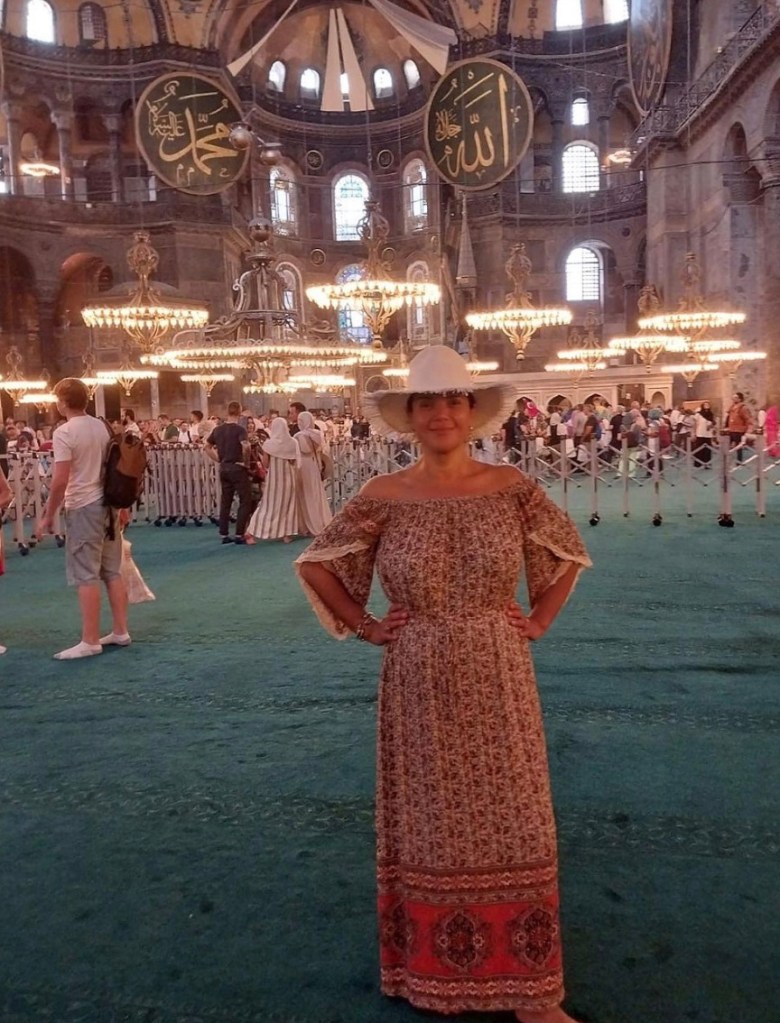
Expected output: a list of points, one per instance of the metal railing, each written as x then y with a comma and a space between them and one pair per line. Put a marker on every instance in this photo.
594, 481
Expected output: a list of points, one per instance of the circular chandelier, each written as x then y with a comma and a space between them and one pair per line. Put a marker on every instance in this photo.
691, 368
15, 384
324, 381
127, 376
520, 318
649, 344
693, 318
146, 315
375, 293
38, 398
208, 381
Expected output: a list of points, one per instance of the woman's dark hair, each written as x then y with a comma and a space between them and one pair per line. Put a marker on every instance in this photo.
739, 395
442, 394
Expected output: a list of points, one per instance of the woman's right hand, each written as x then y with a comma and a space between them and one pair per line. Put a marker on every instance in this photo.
386, 629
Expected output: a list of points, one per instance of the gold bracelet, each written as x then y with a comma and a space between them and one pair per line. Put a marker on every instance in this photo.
365, 621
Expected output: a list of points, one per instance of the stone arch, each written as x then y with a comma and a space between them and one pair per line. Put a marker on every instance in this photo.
83, 275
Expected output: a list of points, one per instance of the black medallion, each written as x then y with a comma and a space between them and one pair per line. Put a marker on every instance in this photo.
182, 124
649, 49
478, 123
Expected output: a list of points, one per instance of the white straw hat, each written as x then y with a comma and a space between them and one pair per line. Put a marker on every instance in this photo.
438, 369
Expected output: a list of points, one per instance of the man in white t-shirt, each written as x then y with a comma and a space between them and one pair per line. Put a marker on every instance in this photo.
80, 446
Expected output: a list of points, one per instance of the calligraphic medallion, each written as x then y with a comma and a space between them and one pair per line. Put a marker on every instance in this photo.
182, 124
478, 123
649, 50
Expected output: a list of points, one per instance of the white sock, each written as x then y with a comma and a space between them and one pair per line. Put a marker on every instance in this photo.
79, 650
116, 639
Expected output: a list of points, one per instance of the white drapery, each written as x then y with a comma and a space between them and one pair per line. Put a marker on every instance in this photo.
431, 41
237, 65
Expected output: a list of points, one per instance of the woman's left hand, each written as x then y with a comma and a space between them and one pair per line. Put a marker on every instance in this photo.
528, 627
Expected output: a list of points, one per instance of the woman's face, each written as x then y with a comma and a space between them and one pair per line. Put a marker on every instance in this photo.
441, 422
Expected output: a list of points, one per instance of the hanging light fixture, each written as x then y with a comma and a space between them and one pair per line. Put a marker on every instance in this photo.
146, 315
15, 384
208, 381
691, 368
585, 353
692, 319
322, 381
128, 375
375, 293
88, 377
520, 319
648, 344
733, 361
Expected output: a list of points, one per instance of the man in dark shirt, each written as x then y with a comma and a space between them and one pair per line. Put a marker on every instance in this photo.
225, 444
295, 409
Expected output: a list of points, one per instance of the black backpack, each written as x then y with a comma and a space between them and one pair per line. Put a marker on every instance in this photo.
124, 471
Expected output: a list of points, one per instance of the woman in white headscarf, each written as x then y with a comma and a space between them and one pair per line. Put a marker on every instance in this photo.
315, 514
276, 517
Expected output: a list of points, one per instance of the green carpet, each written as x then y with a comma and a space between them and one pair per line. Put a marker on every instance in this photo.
185, 826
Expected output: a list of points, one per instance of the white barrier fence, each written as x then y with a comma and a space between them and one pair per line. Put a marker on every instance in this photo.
183, 484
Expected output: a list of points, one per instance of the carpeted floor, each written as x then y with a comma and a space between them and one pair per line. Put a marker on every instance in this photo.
185, 825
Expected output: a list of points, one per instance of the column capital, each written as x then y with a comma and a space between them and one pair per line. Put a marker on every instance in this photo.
63, 119
113, 123
12, 108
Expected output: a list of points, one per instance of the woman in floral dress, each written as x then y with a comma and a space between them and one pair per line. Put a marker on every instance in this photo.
466, 846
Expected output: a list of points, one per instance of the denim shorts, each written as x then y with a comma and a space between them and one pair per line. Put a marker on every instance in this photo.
89, 555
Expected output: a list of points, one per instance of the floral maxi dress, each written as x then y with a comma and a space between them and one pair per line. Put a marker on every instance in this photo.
466, 846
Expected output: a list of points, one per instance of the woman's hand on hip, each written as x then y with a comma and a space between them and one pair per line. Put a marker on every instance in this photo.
386, 629
527, 626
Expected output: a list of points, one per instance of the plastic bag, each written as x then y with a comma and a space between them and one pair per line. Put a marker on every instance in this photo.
137, 590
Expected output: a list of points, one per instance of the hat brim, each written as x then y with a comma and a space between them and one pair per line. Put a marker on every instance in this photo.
493, 404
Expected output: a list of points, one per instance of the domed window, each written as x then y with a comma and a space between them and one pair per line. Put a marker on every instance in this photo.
615, 10
415, 179
277, 76
283, 201
583, 275
350, 193
344, 85
568, 14
92, 23
383, 83
40, 21
580, 112
310, 83
417, 315
580, 168
291, 287
411, 74
352, 322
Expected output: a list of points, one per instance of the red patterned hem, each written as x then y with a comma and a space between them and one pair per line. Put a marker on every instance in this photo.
494, 994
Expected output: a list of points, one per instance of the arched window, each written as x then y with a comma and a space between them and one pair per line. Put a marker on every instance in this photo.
415, 179
292, 290
277, 75
284, 213
350, 193
352, 322
310, 83
580, 111
344, 85
580, 168
40, 21
584, 275
411, 74
615, 10
92, 23
417, 314
383, 83
568, 14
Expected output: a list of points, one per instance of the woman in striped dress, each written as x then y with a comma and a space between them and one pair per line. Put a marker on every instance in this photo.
276, 517
315, 512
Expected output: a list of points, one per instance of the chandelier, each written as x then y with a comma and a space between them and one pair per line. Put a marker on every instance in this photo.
322, 381
648, 344
88, 377
127, 376
375, 294
14, 384
146, 315
734, 360
38, 398
208, 381
692, 319
264, 333
691, 368
585, 353
520, 319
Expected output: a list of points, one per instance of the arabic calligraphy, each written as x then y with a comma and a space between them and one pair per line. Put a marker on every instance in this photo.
183, 122
479, 123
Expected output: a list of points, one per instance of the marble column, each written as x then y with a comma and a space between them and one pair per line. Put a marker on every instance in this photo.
114, 125
63, 121
13, 115
603, 129
154, 398
100, 402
